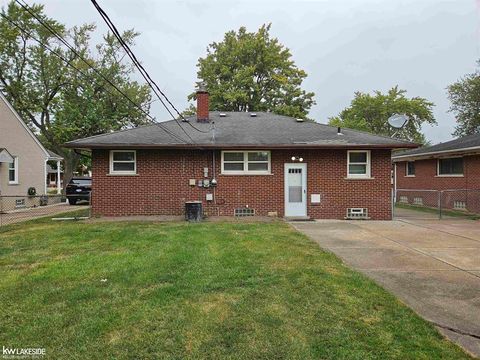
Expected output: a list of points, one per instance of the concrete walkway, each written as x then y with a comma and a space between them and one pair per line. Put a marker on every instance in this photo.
431, 265
37, 212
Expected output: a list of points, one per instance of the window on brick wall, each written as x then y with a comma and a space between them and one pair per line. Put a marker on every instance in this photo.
410, 168
450, 167
246, 162
123, 162
358, 164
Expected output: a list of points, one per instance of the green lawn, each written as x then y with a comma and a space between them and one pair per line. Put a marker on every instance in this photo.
210, 290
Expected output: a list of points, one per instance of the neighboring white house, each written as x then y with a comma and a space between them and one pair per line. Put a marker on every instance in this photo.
23, 159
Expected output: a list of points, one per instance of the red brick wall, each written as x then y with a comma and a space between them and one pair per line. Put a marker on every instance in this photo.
426, 179
162, 185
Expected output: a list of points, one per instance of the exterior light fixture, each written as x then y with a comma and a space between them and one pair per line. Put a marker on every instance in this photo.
297, 158
301, 159
293, 158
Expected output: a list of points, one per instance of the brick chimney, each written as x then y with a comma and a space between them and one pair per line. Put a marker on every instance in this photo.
202, 103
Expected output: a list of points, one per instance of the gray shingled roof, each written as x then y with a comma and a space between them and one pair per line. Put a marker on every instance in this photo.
239, 129
53, 156
457, 145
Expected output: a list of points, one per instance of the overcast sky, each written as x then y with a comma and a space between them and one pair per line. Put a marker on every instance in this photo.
344, 46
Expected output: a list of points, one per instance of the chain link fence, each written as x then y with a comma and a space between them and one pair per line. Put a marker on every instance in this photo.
437, 204
15, 209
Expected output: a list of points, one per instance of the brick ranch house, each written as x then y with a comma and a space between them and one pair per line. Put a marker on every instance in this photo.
242, 164
453, 167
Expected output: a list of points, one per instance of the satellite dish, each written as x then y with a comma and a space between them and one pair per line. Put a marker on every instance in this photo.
398, 121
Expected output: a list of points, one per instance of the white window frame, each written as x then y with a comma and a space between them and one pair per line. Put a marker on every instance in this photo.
368, 165
406, 169
15, 168
246, 162
117, 172
451, 175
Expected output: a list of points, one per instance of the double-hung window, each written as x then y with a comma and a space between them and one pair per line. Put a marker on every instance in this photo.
246, 162
410, 168
123, 162
13, 171
358, 164
450, 167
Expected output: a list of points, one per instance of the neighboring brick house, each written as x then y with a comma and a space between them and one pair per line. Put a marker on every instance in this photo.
453, 167
240, 164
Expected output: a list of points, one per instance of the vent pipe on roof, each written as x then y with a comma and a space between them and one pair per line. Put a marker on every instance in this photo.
339, 131
202, 103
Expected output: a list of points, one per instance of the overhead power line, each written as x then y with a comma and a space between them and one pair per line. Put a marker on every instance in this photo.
156, 89
68, 62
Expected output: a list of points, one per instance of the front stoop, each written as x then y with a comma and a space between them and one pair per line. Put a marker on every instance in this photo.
298, 218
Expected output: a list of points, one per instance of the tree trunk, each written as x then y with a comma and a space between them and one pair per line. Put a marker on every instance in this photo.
71, 160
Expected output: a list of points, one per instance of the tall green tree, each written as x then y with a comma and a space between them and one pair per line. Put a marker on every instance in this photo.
370, 113
251, 71
55, 100
464, 96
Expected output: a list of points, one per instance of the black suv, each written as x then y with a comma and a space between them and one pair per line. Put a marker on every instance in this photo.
79, 188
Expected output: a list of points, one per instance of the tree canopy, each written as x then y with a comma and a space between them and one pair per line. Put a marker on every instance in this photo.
251, 71
55, 100
370, 113
464, 96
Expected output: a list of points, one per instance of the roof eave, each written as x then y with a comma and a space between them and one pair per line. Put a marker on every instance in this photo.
437, 154
240, 146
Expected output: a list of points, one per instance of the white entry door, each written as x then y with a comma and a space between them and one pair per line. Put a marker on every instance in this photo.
295, 189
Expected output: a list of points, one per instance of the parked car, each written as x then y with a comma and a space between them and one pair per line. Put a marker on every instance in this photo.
79, 188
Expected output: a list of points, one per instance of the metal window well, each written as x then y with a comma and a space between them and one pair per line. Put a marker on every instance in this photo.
193, 211
244, 212
357, 213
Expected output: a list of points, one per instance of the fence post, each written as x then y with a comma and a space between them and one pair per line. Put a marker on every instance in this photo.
90, 204
440, 204
393, 204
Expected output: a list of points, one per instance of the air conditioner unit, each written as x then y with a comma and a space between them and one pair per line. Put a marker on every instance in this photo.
357, 213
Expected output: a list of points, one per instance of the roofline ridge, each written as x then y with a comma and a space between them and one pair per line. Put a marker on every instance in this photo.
110, 133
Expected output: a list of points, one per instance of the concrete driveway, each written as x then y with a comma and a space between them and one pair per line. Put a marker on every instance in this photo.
432, 265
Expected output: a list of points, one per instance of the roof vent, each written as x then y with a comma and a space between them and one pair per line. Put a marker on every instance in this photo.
253, 114
339, 131
299, 120
222, 115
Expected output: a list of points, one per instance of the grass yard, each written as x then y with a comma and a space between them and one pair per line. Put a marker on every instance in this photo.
210, 290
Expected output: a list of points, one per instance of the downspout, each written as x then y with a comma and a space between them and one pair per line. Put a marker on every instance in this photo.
214, 176
45, 177
59, 190
394, 197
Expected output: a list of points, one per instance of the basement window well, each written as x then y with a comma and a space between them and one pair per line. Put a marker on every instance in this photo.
241, 212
